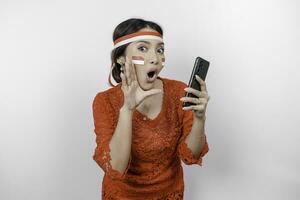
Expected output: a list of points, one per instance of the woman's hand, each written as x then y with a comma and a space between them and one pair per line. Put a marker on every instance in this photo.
200, 100
133, 93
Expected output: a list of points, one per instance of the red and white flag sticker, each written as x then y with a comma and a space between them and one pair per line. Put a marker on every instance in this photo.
139, 60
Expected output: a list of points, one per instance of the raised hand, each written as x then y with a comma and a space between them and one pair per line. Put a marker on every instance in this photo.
133, 93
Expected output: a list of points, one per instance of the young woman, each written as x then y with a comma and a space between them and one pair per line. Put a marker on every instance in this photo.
142, 130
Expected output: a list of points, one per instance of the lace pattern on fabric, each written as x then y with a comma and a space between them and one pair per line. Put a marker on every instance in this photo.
178, 195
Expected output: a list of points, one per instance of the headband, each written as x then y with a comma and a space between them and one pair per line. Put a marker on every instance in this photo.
137, 36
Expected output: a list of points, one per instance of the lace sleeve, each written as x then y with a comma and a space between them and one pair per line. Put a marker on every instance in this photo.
105, 124
186, 123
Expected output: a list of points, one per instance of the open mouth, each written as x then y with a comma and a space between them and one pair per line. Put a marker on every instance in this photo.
151, 76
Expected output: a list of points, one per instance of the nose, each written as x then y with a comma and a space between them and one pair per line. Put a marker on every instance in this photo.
154, 62
154, 59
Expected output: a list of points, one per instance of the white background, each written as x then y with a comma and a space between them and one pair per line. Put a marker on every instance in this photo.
55, 57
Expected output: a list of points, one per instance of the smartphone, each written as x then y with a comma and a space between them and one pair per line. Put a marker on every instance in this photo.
200, 68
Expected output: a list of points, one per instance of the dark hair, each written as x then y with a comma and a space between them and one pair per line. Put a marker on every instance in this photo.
126, 27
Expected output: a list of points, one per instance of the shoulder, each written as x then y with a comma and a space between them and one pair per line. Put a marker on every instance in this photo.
104, 96
173, 83
110, 98
176, 87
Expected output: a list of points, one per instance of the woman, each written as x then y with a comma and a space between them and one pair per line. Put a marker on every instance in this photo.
142, 131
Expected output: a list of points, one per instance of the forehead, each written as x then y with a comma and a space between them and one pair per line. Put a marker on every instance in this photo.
149, 41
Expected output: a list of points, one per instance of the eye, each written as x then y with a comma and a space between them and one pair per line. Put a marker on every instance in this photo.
142, 47
161, 50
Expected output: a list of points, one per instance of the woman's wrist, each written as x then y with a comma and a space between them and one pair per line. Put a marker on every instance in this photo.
125, 109
200, 118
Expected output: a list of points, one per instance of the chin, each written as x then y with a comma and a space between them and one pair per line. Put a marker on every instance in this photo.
148, 86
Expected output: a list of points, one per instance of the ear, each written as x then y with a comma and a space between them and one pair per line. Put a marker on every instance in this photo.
121, 60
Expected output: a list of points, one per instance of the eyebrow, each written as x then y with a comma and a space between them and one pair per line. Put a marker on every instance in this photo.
149, 42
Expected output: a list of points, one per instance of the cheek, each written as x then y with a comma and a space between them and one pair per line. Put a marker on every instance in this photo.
140, 71
160, 69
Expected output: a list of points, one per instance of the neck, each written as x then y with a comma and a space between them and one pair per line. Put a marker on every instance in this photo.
150, 100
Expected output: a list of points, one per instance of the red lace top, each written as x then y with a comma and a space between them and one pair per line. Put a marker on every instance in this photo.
154, 169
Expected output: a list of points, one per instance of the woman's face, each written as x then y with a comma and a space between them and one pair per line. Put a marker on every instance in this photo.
153, 53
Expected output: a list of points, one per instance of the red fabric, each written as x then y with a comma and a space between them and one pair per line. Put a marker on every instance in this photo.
154, 169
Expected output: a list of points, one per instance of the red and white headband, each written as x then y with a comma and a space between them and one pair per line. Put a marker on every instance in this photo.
137, 36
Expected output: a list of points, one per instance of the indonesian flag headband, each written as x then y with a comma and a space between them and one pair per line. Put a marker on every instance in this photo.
136, 37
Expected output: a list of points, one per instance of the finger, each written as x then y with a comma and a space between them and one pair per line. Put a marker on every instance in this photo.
123, 79
190, 99
124, 73
127, 73
153, 92
193, 91
188, 107
203, 94
202, 83
133, 71
194, 100
195, 107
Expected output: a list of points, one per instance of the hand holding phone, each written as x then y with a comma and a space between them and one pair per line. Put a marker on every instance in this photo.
200, 68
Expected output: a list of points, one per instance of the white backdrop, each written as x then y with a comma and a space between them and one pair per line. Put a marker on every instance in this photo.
55, 57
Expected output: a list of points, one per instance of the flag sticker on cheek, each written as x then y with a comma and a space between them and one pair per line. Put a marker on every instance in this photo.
139, 60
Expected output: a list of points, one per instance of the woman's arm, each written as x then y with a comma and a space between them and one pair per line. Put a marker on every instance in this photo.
192, 145
113, 137
196, 138
120, 143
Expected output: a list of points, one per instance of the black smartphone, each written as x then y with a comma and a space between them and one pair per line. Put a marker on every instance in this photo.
200, 68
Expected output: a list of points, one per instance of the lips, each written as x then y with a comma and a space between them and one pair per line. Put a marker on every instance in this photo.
151, 75
151, 79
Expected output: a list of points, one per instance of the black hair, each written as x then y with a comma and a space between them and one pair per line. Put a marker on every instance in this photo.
126, 27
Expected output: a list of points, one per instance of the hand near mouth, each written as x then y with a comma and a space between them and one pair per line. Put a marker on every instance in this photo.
133, 93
